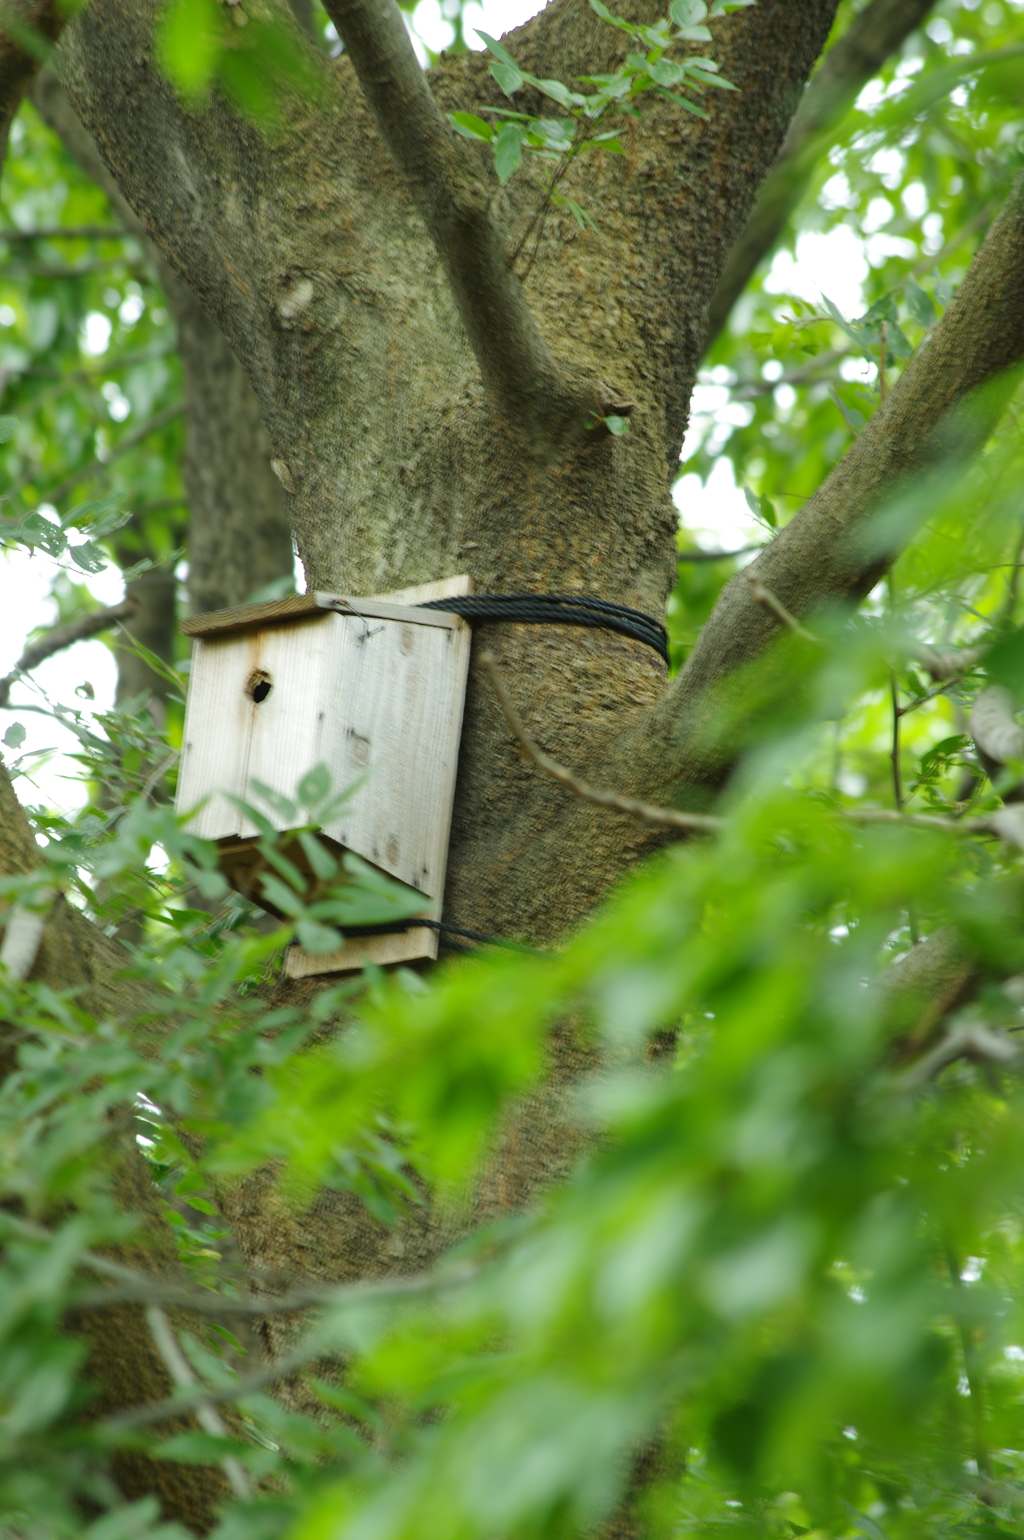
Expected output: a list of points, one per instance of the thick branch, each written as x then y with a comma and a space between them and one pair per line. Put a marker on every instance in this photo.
838, 546
872, 36
513, 357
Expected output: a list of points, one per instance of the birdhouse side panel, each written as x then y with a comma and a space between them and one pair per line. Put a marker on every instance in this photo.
400, 697
289, 730
254, 711
215, 743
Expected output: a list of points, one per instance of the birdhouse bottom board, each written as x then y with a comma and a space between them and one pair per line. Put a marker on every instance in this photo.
371, 688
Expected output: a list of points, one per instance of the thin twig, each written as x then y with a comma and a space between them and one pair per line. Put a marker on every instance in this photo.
997, 824
135, 1286
764, 596
970, 1366
207, 1416
161, 769
744, 550
670, 817
1013, 582
59, 637
311, 1348
894, 752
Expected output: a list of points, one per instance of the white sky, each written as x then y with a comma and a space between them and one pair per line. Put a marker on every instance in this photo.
833, 263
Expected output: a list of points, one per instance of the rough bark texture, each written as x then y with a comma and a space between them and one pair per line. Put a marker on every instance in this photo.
875, 33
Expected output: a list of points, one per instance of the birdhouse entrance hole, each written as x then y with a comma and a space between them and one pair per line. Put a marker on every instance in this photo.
372, 688
260, 685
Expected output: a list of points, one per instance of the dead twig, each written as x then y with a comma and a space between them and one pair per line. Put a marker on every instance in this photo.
135, 1286
765, 597
207, 1416
744, 550
670, 817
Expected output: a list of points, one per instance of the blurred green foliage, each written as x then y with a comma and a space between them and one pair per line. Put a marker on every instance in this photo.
780, 1291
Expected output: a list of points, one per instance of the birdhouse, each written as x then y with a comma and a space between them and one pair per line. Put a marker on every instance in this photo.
373, 689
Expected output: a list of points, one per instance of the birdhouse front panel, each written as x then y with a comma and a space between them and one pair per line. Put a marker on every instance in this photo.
372, 690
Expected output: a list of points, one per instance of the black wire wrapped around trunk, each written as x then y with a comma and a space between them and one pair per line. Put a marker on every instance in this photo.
559, 610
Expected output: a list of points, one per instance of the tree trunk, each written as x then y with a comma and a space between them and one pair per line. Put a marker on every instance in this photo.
400, 467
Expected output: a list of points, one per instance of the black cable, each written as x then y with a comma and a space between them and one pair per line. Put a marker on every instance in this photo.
560, 610
398, 927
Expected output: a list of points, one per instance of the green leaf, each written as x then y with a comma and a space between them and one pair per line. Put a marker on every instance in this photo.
920, 305
501, 53
8, 427
851, 416
471, 126
508, 151
88, 557
281, 896
617, 425
508, 77
319, 857
314, 786
560, 93
316, 937
687, 13
1004, 663
282, 806
841, 320
15, 736
189, 42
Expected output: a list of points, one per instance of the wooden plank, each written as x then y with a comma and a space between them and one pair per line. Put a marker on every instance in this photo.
247, 617
244, 616
385, 951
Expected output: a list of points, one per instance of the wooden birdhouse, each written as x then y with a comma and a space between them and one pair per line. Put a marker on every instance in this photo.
374, 689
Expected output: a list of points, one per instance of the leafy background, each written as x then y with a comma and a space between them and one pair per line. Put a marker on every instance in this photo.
780, 1292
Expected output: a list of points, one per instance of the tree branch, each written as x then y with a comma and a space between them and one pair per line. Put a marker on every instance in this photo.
875, 33
59, 637
512, 355
936, 416
182, 1375
28, 30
